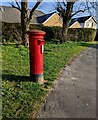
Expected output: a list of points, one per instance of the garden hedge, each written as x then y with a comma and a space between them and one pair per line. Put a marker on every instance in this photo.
12, 32
96, 38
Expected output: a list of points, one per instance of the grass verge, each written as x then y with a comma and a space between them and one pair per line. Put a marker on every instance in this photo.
21, 98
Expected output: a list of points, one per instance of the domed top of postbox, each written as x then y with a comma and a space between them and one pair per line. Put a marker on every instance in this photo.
35, 32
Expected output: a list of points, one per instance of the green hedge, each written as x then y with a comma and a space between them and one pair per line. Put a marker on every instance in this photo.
96, 38
84, 34
12, 32
51, 32
74, 34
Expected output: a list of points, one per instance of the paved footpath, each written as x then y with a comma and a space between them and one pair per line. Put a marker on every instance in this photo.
74, 94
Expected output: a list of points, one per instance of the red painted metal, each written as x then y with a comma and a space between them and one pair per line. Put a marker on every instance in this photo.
36, 42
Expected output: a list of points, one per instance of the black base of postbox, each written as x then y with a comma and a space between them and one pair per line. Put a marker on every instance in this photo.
36, 77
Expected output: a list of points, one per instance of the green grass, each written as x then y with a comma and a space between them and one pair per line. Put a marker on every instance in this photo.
20, 97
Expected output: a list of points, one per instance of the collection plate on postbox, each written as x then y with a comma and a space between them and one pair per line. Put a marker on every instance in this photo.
41, 42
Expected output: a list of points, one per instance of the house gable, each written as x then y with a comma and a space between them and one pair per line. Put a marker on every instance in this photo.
53, 20
92, 18
90, 23
76, 25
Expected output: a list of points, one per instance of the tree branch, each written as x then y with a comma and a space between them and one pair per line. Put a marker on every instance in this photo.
18, 4
60, 9
89, 7
32, 10
78, 12
64, 3
18, 8
69, 9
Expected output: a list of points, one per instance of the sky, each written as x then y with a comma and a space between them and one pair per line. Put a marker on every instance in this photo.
46, 7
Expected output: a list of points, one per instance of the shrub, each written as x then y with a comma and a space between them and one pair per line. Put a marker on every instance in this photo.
82, 34
12, 32
51, 32
96, 38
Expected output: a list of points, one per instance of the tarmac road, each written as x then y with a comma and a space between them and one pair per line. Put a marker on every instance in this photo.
74, 94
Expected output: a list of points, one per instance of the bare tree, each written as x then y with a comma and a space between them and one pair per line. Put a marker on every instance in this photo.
26, 17
66, 10
92, 5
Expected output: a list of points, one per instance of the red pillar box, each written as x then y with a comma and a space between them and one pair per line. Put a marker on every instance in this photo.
36, 48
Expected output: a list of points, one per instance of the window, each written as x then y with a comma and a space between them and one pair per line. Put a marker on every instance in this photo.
90, 25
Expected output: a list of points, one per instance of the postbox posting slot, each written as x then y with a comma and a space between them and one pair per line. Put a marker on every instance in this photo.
40, 42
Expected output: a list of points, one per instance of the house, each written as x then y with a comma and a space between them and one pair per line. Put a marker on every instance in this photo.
84, 22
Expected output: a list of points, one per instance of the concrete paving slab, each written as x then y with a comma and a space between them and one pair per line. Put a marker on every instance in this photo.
74, 94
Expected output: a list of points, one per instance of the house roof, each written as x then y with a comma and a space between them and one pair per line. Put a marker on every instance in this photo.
38, 13
43, 18
12, 15
9, 14
81, 19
